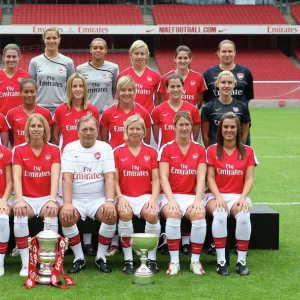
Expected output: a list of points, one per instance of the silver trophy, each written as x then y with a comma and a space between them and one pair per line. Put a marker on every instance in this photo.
48, 244
141, 244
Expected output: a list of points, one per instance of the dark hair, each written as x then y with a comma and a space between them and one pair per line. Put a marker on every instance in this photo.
98, 40
28, 80
87, 118
238, 140
11, 47
185, 49
174, 76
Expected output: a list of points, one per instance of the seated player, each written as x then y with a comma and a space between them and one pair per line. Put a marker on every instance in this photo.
230, 178
6, 186
36, 168
137, 188
182, 171
88, 169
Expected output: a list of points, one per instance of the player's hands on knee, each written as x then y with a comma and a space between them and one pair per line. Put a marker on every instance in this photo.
109, 210
173, 208
4, 209
196, 208
242, 204
151, 206
220, 204
20, 209
68, 212
51, 209
123, 205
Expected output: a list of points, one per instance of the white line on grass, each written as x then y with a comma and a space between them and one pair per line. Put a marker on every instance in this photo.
277, 203
278, 156
275, 137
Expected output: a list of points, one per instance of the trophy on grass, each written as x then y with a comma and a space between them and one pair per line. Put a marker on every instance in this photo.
47, 249
141, 244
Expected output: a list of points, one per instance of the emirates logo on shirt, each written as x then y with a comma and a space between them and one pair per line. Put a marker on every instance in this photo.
192, 82
1, 155
240, 76
147, 158
235, 109
149, 78
48, 157
97, 155
195, 156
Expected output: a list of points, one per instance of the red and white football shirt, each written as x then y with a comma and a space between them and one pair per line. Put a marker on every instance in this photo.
135, 172
163, 115
230, 171
36, 170
114, 118
146, 86
5, 160
17, 119
3, 124
10, 96
182, 168
194, 84
67, 120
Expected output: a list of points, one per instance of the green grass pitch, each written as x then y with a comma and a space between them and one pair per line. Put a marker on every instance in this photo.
273, 274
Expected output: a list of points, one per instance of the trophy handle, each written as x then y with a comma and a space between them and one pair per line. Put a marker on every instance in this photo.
66, 244
125, 235
164, 242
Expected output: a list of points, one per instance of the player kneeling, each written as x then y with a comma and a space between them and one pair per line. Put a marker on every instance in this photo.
137, 188
182, 171
230, 179
88, 169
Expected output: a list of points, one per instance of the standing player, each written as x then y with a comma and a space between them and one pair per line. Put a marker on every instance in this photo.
243, 90
194, 84
137, 188
112, 120
182, 170
10, 77
146, 79
36, 168
51, 71
18, 116
101, 76
213, 111
88, 169
3, 131
230, 179
68, 114
163, 115
6, 187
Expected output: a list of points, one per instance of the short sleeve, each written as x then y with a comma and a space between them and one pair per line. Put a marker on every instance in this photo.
57, 115
109, 160
3, 124
202, 155
196, 115
116, 156
252, 160
202, 86
154, 163
155, 116
9, 119
67, 161
210, 158
48, 117
246, 115
95, 113
32, 69
56, 155
7, 159
104, 121
205, 113
147, 119
164, 155
162, 87
17, 157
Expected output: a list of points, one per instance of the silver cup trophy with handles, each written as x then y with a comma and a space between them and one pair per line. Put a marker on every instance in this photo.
141, 244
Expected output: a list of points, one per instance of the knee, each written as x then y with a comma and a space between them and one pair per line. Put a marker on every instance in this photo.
220, 216
151, 217
4, 222
125, 216
111, 221
197, 216
242, 217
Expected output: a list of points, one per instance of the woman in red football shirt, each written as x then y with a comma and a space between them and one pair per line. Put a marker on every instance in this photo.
164, 113
17, 117
194, 84
67, 115
36, 168
113, 118
6, 186
230, 178
182, 169
137, 188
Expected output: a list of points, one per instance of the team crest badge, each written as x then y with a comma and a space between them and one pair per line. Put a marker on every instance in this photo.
89, 113
60, 70
195, 156
149, 78
19, 79
97, 155
1, 155
147, 158
240, 76
192, 82
48, 157
235, 109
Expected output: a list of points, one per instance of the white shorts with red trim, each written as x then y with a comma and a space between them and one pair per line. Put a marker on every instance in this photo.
230, 199
36, 204
137, 203
184, 201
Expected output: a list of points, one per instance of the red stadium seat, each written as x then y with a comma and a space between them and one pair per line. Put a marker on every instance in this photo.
296, 12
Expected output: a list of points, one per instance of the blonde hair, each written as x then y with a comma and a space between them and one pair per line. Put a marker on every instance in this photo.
138, 44
51, 29
226, 42
129, 121
182, 114
70, 94
224, 73
124, 81
46, 137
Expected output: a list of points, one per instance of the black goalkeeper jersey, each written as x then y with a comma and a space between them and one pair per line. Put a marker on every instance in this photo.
213, 111
243, 90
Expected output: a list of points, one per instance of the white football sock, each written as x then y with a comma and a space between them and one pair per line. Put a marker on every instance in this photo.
72, 234
154, 229
106, 233
125, 229
21, 230
198, 233
4, 235
173, 232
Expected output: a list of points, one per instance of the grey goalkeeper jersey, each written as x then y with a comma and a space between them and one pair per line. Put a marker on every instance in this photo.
51, 77
101, 83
